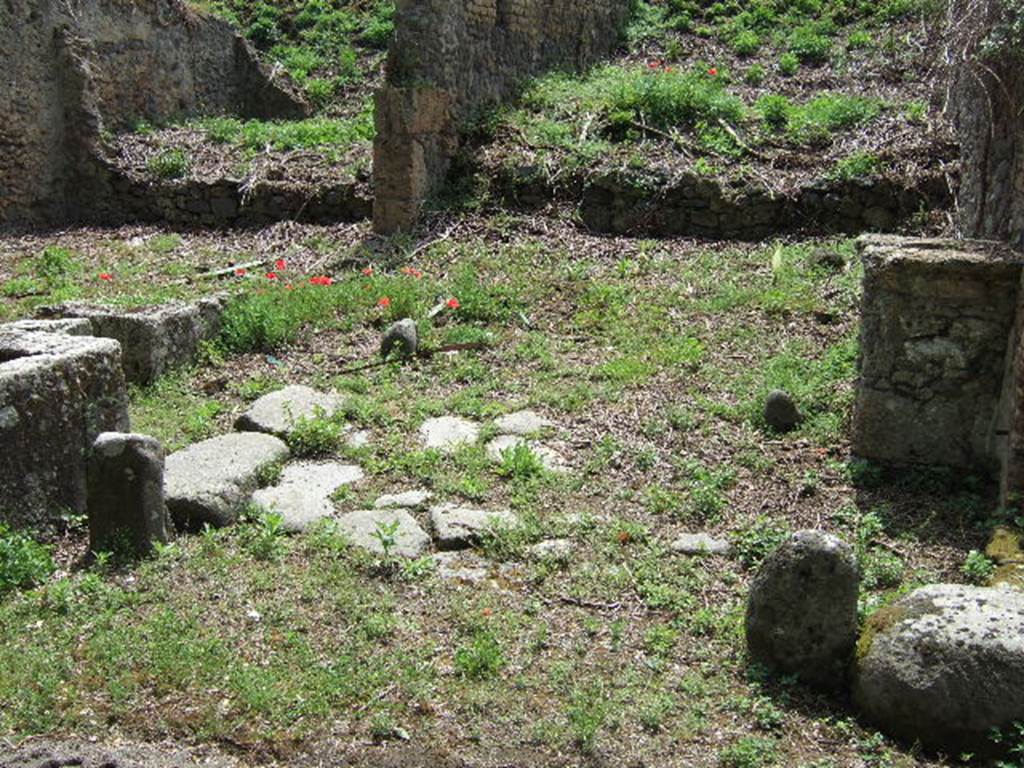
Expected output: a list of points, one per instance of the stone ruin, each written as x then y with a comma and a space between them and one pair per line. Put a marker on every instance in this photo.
451, 58
942, 368
75, 69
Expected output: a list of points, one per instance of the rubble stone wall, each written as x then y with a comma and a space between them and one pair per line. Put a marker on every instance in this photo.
448, 59
74, 69
936, 322
988, 108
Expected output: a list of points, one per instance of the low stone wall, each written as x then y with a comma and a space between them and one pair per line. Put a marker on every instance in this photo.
696, 206
448, 59
57, 393
73, 70
938, 321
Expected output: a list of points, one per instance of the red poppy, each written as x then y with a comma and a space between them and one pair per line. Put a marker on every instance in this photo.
271, 275
290, 287
321, 280
453, 303
654, 64
240, 272
281, 264
713, 71
384, 302
368, 271
106, 277
412, 272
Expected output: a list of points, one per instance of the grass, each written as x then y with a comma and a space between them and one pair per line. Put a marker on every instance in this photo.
315, 133
650, 357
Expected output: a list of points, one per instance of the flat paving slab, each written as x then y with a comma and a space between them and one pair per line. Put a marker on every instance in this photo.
367, 527
211, 482
303, 495
278, 412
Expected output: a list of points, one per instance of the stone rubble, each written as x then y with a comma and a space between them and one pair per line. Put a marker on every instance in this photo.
365, 529
459, 527
302, 496
278, 412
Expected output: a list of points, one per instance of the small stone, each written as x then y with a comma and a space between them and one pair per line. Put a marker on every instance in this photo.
780, 412
358, 439
826, 258
521, 423
458, 527
802, 609
550, 459
212, 481
278, 412
552, 549
366, 528
406, 500
447, 433
460, 566
701, 544
402, 336
302, 496
126, 493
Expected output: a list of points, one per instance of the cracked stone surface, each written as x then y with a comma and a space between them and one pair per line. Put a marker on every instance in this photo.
447, 433
552, 460
521, 423
211, 481
458, 527
360, 527
302, 496
701, 544
405, 500
277, 413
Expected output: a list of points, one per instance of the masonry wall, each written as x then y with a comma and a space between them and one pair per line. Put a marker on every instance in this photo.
73, 69
987, 92
937, 336
449, 59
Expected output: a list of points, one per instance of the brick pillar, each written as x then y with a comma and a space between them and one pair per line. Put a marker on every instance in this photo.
416, 140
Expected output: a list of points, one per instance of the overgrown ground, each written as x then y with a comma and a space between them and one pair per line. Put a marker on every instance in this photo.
652, 357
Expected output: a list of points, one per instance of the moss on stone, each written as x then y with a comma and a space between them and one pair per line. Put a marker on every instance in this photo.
1005, 546
1010, 574
878, 622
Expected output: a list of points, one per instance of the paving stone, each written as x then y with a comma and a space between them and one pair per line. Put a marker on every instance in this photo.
411, 540
212, 481
447, 433
550, 458
521, 423
460, 566
302, 496
74, 326
556, 549
701, 544
277, 413
406, 500
457, 527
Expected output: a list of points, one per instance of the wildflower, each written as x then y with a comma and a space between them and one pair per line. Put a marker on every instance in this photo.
453, 303
713, 71
321, 280
624, 537
106, 277
240, 272
384, 302
654, 64
290, 287
412, 272
281, 264
271, 275
368, 271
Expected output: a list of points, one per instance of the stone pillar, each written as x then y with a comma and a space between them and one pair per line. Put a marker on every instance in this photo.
937, 316
126, 493
415, 143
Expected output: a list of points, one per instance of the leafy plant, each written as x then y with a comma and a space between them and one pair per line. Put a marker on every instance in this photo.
169, 164
977, 568
481, 658
386, 534
23, 561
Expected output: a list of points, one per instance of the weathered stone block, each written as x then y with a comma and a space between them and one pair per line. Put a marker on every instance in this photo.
153, 340
937, 316
57, 393
126, 493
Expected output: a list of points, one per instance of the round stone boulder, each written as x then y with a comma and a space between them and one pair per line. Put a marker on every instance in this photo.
403, 336
944, 666
802, 609
780, 411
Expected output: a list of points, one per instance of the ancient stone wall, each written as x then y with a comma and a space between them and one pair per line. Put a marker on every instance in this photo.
988, 107
75, 68
936, 322
448, 59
